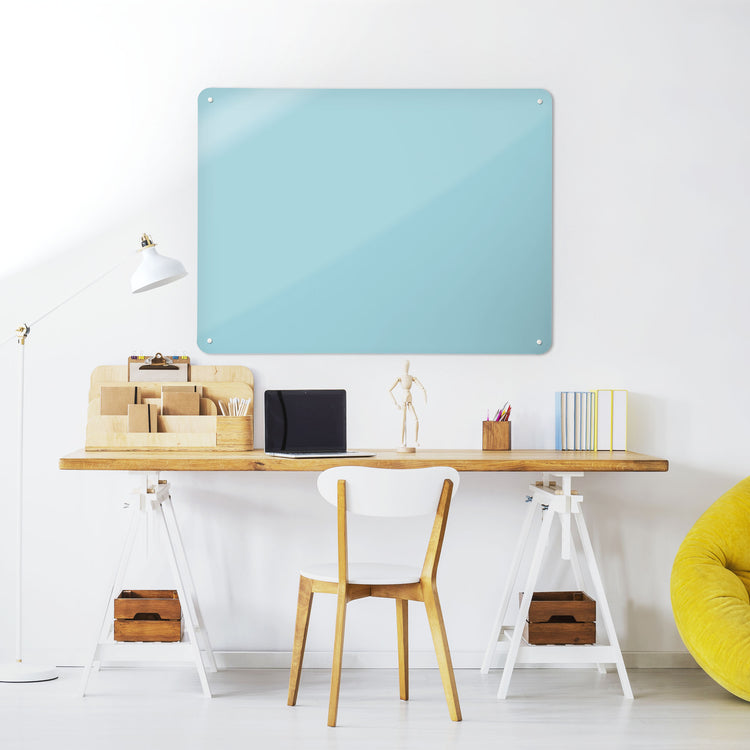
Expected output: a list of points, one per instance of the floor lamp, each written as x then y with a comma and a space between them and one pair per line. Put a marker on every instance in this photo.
154, 271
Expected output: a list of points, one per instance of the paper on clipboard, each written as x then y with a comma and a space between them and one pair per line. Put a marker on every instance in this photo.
159, 368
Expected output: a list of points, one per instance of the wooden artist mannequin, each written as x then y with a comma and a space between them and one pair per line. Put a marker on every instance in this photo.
405, 380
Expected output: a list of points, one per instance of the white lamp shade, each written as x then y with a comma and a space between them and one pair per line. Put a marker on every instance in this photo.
155, 271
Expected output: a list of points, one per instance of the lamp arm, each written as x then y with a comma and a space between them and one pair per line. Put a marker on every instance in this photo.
18, 334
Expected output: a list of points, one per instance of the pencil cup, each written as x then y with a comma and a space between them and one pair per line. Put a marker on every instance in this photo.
495, 436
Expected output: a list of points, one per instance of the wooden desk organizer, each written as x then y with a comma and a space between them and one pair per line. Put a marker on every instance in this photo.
208, 431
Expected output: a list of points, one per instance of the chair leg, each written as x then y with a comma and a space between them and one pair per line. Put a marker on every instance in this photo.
402, 627
338, 654
440, 640
304, 603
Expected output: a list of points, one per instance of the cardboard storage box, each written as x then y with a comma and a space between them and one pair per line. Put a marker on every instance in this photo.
185, 403
115, 398
142, 417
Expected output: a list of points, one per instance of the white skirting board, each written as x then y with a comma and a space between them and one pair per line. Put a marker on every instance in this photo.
373, 659
426, 660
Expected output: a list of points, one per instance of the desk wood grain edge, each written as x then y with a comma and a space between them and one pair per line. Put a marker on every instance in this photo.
462, 460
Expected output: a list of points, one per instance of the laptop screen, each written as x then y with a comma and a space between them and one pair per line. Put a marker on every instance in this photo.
305, 421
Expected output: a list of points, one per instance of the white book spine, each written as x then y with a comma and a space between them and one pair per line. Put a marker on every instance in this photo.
570, 426
604, 420
619, 420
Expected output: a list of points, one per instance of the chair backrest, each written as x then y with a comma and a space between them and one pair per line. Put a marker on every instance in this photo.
392, 493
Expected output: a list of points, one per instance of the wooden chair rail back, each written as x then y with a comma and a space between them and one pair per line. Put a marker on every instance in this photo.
343, 550
435, 545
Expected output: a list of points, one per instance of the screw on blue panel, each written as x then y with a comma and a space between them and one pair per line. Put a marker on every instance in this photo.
210, 99
538, 342
209, 341
539, 101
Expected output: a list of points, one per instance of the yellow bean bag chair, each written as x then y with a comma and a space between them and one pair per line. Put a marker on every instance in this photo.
709, 586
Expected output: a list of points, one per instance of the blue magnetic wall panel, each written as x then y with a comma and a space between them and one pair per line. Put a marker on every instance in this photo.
374, 221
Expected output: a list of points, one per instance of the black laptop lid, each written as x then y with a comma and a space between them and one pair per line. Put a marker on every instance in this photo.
305, 421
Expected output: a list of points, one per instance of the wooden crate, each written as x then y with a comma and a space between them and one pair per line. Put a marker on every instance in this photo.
152, 615
560, 618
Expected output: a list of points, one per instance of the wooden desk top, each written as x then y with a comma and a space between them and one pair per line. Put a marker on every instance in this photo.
462, 460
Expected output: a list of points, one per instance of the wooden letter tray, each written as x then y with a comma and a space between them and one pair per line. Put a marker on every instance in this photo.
560, 617
151, 615
208, 430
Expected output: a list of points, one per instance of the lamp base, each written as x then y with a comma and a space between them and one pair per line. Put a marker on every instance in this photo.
17, 671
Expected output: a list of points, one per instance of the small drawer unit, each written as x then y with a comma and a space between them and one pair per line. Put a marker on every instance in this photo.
148, 615
560, 618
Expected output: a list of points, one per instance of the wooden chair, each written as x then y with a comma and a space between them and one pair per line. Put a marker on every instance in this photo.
388, 493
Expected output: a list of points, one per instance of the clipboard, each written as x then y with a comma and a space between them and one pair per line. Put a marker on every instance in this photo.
159, 368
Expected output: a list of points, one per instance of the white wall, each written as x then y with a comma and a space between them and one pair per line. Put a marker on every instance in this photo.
650, 294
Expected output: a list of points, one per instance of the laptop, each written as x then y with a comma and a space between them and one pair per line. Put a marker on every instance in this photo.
307, 424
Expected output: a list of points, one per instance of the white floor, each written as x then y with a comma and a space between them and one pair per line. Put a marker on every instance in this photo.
547, 708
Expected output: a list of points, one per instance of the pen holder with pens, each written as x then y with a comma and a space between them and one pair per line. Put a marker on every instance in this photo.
495, 436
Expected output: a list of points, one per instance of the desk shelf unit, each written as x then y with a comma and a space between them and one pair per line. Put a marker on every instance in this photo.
207, 431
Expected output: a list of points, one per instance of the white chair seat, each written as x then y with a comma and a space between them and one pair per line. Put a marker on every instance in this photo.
368, 574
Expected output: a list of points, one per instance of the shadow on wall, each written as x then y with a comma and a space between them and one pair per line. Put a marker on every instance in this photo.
246, 534
647, 416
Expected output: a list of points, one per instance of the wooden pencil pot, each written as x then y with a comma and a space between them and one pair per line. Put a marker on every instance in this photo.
495, 436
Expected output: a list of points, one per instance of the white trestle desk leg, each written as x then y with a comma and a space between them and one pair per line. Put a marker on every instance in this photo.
510, 583
523, 610
183, 595
155, 504
107, 625
603, 605
575, 564
580, 585
554, 500
170, 520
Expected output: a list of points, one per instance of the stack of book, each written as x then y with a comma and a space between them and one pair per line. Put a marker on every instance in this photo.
591, 420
